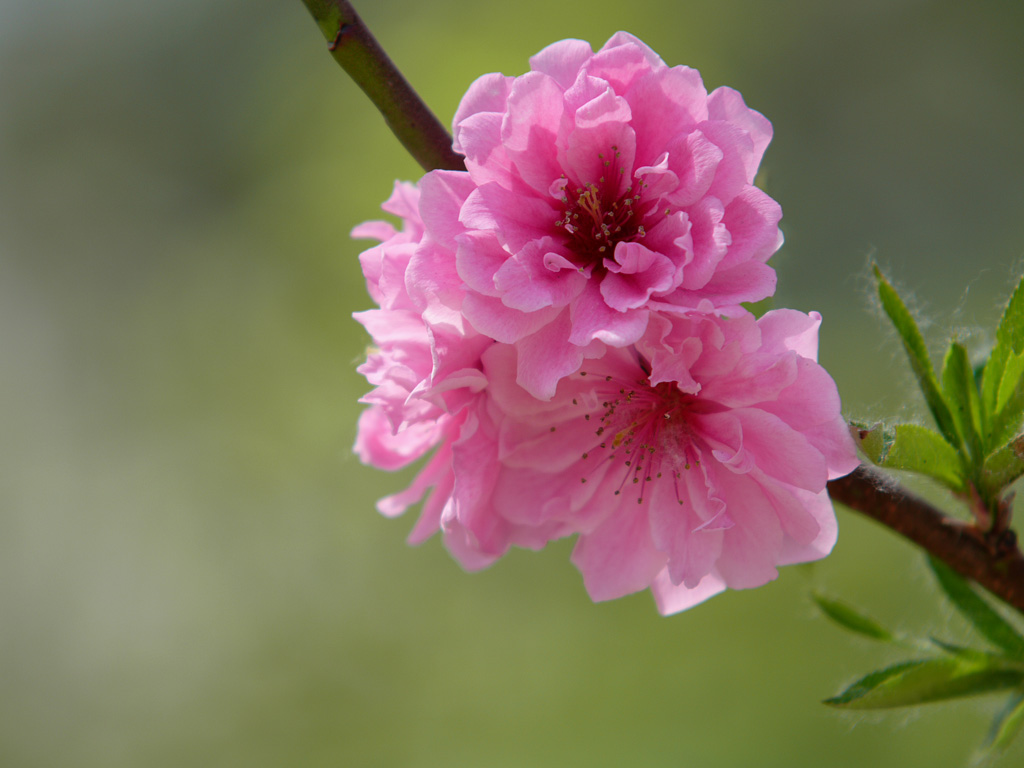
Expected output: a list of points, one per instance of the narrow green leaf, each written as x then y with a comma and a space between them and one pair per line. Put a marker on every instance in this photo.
968, 654
913, 448
1009, 382
848, 617
925, 681
1006, 419
917, 352
985, 619
1009, 341
1003, 467
961, 393
991, 378
872, 682
1007, 723
1011, 326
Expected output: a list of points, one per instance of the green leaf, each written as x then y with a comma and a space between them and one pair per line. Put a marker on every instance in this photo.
1003, 467
872, 682
961, 393
1009, 343
1006, 419
991, 378
969, 654
985, 619
1009, 383
851, 619
913, 448
870, 438
927, 680
1007, 723
1011, 327
920, 363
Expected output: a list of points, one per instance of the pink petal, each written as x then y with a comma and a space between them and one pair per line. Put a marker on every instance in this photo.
711, 240
530, 126
680, 530
546, 356
795, 550
592, 319
488, 93
731, 175
667, 104
373, 230
756, 379
377, 446
437, 474
752, 219
618, 558
492, 318
442, 196
727, 105
789, 329
537, 277
478, 257
634, 275
694, 159
779, 451
657, 179
517, 217
562, 60
601, 148
673, 598
750, 547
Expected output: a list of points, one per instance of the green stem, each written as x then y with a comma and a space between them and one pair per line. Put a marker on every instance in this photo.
361, 56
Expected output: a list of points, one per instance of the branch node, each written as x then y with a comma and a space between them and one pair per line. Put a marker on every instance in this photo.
343, 30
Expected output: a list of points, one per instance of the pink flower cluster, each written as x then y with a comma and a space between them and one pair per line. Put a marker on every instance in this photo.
561, 325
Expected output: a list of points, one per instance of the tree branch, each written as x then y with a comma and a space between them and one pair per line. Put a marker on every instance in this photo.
993, 562
360, 55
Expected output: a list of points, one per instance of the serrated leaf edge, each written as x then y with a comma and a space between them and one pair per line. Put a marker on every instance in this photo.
917, 353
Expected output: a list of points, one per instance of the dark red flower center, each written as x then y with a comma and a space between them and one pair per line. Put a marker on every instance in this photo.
600, 214
643, 429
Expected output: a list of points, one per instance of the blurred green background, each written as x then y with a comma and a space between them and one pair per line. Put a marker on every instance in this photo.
191, 568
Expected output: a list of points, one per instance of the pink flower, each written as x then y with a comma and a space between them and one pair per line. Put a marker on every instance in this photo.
694, 461
429, 393
559, 337
602, 187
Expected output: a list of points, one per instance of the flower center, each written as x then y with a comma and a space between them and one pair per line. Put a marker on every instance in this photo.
598, 215
643, 429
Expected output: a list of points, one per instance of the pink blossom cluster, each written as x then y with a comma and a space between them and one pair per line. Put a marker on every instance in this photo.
560, 327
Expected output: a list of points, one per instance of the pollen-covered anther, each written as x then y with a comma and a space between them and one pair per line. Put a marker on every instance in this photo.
649, 430
600, 214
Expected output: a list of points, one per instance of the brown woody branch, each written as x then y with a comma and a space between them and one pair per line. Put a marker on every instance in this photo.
360, 55
993, 561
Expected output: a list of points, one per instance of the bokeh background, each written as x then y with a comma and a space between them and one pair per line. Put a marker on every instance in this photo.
191, 568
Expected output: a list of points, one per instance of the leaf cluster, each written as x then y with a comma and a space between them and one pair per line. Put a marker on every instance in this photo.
947, 671
977, 450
